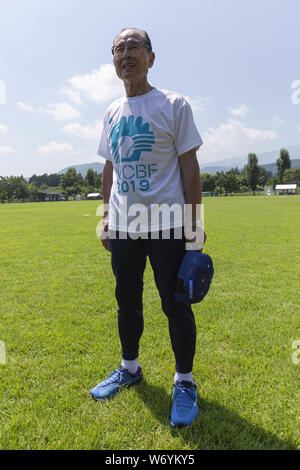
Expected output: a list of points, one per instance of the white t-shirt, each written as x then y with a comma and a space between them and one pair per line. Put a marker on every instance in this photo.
143, 137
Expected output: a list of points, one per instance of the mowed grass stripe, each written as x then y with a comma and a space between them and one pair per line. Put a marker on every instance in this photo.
58, 321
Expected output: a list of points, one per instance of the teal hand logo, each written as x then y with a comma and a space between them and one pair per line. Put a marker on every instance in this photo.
130, 138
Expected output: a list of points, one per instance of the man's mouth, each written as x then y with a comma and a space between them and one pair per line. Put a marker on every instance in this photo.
128, 65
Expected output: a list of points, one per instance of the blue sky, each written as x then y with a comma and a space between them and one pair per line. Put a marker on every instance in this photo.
234, 60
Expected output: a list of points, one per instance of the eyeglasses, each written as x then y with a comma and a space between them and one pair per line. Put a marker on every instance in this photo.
133, 48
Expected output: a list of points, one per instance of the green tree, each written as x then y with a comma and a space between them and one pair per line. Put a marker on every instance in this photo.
231, 182
263, 176
80, 180
220, 181
234, 171
3, 189
208, 182
33, 190
252, 171
13, 187
90, 177
227, 182
291, 175
35, 179
53, 180
272, 181
98, 183
283, 163
21, 188
71, 182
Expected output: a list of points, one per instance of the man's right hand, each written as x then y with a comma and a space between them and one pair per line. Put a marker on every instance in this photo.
104, 236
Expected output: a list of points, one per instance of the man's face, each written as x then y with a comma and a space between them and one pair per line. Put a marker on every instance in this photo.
133, 63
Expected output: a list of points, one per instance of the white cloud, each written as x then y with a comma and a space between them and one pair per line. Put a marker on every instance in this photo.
25, 106
73, 96
231, 139
198, 104
299, 128
3, 128
241, 111
87, 132
2, 92
6, 149
54, 147
277, 121
60, 111
100, 85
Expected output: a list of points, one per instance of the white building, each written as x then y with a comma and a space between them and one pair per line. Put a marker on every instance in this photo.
94, 196
286, 188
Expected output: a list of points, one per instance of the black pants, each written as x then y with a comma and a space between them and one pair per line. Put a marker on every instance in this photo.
128, 258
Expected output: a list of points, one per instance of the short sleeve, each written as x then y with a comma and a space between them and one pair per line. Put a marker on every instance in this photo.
187, 136
103, 148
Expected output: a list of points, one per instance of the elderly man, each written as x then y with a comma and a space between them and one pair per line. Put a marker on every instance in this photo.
149, 141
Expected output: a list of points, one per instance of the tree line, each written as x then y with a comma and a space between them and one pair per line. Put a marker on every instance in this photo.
252, 176
71, 183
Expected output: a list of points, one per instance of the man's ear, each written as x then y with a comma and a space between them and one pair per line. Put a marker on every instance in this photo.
151, 59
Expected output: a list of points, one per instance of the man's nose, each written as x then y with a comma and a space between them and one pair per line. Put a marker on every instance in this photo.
126, 52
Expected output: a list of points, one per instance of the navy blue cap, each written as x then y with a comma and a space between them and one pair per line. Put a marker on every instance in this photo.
194, 277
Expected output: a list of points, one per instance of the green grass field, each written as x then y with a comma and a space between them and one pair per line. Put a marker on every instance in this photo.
58, 322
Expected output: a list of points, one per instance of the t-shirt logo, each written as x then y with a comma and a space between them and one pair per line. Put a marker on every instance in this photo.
130, 138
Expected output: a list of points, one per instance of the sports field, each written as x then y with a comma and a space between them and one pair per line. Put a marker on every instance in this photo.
58, 323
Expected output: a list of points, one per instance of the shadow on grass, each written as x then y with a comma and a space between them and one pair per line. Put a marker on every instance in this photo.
216, 427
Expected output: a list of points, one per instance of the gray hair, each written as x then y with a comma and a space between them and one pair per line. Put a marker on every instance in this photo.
147, 39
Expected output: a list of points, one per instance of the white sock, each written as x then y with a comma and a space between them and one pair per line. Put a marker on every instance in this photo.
131, 366
179, 377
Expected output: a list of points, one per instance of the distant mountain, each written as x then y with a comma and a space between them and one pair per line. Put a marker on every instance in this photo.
268, 166
263, 158
83, 168
266, 158
214, 169
273, 168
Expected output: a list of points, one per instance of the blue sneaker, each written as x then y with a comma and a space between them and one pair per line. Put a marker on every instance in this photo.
118, 379
185, 409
